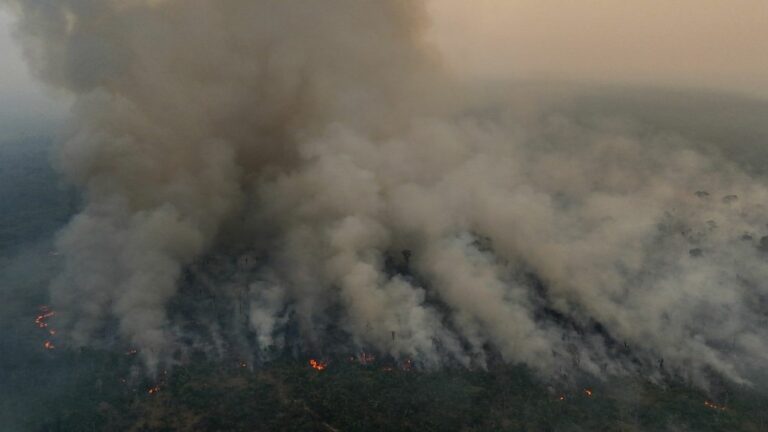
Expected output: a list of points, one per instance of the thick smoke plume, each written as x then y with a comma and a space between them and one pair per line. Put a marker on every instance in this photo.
363, 197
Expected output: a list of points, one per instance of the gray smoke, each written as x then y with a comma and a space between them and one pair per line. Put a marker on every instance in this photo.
323, 139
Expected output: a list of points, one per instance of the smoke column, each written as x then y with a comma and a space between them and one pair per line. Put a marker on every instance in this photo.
381, 200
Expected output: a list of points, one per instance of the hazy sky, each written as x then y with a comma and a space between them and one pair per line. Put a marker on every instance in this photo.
706, 43
14, 78
23, 101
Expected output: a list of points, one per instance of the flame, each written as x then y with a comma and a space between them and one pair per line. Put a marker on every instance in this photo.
588, 392
242, 364
41, 321
714, 406
317, 365
407, 365
42, 317
156, 388
561, 398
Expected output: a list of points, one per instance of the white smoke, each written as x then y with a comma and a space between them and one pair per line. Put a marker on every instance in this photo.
323, 138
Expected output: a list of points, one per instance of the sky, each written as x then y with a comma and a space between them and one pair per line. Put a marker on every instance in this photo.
693, 43
14, 74
23, 100
712, 44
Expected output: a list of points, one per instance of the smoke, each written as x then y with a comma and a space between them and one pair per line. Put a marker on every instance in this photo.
356, 193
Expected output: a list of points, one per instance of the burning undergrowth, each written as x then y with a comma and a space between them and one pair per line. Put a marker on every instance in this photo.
41, 321
345, 393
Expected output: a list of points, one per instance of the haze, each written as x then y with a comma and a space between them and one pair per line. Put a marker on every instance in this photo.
692, 43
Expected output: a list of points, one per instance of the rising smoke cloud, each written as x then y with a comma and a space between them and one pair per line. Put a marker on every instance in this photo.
321, 143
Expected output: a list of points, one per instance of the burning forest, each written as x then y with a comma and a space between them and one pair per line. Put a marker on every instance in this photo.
290, 193
318, 217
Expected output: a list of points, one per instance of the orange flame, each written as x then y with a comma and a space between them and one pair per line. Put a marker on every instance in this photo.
317, 365
45, 313
154, 390
588, 392
407, 365
41, 321
714, 406
561, 398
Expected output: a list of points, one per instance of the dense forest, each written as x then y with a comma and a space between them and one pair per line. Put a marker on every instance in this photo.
360, 393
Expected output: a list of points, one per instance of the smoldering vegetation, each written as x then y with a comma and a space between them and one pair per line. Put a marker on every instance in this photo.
263, 177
